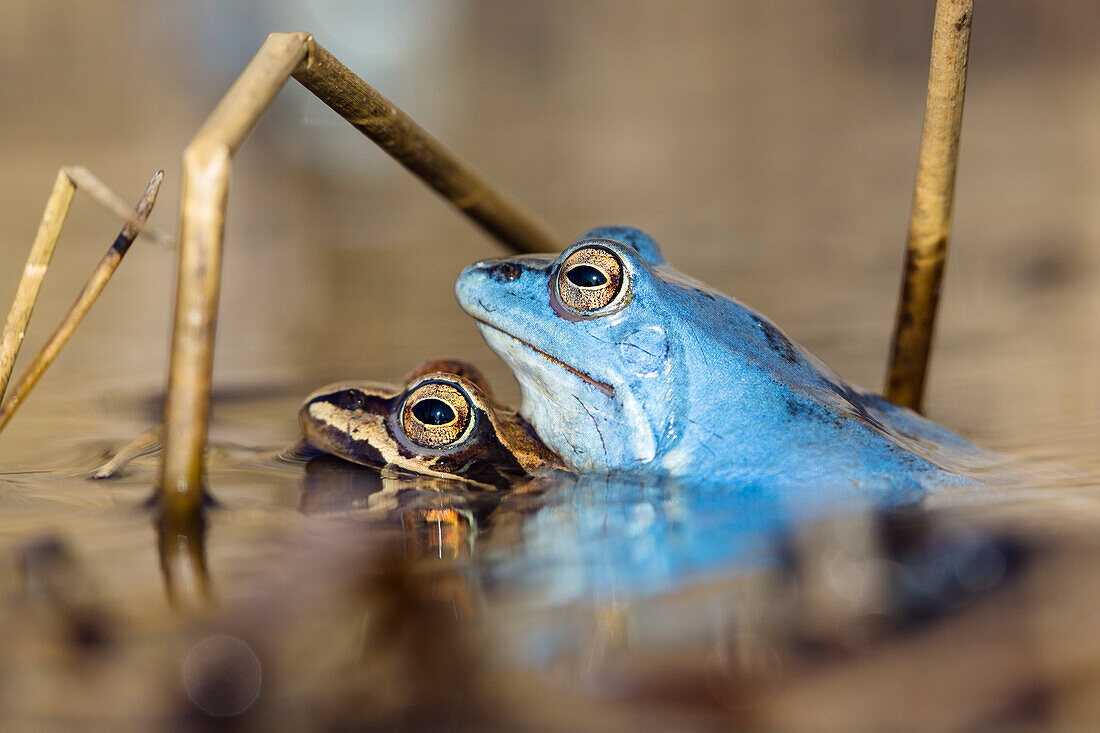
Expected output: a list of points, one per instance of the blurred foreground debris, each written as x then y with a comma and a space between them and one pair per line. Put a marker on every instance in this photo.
900, 619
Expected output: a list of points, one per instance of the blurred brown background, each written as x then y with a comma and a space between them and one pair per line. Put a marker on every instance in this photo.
769, 146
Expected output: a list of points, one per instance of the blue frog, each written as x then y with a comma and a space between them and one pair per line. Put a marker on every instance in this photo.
627, 366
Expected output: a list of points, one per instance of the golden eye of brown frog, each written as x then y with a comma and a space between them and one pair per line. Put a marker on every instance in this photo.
437, 414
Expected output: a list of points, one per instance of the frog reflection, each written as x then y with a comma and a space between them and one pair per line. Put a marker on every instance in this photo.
606, 538
443, 423
437, 518
430, 519
628, 366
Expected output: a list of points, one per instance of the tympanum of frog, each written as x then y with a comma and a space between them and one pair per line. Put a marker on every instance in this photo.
443, 422
626, 365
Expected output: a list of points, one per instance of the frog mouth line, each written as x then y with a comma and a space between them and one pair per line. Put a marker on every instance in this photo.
604, 387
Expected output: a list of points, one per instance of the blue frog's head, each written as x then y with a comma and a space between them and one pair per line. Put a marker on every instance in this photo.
592, 336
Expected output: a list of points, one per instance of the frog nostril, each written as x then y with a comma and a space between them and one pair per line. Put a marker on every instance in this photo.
505, 272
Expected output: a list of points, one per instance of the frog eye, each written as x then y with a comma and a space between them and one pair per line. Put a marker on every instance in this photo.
590, 279
436, 415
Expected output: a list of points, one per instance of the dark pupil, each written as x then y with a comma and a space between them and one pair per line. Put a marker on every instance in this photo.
351, 399
433, 412
586, 276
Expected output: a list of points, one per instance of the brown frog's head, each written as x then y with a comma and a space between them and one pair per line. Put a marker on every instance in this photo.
444, 422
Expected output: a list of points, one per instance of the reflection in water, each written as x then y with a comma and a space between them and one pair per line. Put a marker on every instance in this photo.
54, 584
603, 540
181, 545
410, 600
591, 577
714, 602
444, 532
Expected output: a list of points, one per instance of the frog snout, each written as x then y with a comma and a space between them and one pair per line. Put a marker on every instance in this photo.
469, 283
478, 282
483, 285
310, 428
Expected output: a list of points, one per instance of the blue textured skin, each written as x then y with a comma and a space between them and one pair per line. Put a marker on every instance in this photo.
688, 383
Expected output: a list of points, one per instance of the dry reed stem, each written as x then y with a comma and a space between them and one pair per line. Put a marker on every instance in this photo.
49, 228
410, 145
68, 180
142, 445
84, 301
933, 196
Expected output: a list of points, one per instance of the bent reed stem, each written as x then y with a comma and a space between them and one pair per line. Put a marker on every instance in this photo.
206, 165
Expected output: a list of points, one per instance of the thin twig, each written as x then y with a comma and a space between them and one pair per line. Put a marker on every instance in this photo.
92, 288
144, 444
68, 180
87, 182
57, 206
933, 196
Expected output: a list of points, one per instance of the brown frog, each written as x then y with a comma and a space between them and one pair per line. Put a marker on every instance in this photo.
443, 422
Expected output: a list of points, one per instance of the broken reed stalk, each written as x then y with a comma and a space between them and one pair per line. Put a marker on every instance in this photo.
205, 185
84, 301
933, 196
144, 444
49, 229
